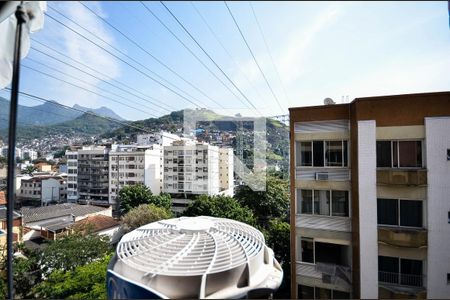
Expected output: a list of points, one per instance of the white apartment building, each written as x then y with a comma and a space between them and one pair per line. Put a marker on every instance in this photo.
162, 138
72, 178
29, 154
43, 189
370, 198
132, 164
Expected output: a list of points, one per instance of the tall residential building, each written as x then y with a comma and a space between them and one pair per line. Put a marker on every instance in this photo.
93, 175
370, 206
72, 178
131, 164
192, 168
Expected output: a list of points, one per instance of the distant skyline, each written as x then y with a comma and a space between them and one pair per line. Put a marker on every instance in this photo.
319, 49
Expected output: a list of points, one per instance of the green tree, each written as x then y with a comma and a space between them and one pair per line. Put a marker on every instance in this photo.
268, 204
221, 207
84, 282
29, 170
134, 195
144, 214
278, 238
72, 251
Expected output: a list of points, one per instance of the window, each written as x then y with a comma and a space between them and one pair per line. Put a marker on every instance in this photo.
322, 293
399, 154
307, 248
448, 154
322, 153
305, 292
448, 278
323, 202
306, 205
340, 204
396, 212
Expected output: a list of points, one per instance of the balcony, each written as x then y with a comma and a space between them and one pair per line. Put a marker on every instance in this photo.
326, 273
402, 176
403, 237
399, 279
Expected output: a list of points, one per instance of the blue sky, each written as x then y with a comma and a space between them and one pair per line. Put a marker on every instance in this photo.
319, 50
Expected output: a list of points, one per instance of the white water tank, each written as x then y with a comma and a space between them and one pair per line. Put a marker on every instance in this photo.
195, 257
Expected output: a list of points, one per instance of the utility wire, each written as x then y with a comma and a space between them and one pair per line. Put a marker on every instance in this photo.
269, 52
193, 54
98, 72
253, 55
121, 59
79, 110
85, 89
224, 48
209, 56
151, 55
87, 83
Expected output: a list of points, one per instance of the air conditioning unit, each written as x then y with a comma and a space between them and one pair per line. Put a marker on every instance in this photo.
321, 176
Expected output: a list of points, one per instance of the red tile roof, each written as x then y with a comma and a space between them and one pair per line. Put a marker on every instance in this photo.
97, 223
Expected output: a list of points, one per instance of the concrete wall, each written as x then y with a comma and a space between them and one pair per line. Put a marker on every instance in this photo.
437, 143
367, 194
153, 176
50, 190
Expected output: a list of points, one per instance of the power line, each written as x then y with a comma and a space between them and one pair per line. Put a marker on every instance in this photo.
87, 83
253, 55
98, 72
122, 60
151, 55
85, 89
224, 48
192, 53
79, 110
269, 52
209, 56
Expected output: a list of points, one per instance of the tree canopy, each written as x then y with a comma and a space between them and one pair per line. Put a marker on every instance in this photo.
221, 207
144, 214
268, 204
134, 195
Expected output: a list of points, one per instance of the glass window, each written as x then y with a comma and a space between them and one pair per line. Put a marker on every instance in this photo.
410, 153
345, 153
333, 154
340, 203
318, 153
387, 211
305, 292
307, 250
322, 202
411, 272
448, 154
322, 293
340, 295
411, 213
305, 151
306, 201
384, 154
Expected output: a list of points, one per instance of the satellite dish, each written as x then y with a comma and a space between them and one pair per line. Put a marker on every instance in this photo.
328, 101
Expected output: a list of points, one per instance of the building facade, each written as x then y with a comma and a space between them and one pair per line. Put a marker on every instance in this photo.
72, 178
131, 165
370, 209
93, 175
161, 138
43, 189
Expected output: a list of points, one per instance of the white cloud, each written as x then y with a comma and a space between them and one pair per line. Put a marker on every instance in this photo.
291, 60
81, 50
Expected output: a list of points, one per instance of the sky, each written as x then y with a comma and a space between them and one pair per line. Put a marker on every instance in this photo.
307, 51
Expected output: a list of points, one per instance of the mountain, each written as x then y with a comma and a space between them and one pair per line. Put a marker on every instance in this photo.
101, 111
85, 125
48, 113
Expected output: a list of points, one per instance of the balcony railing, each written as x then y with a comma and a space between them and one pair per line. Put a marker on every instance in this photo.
400, 279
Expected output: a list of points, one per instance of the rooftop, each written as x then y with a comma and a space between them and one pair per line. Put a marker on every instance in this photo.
34, 214
98, 222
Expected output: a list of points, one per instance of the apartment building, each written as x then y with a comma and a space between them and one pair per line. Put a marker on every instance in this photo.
192, 168
370, 206
72, 178
132, 164
93, 175
43, 189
